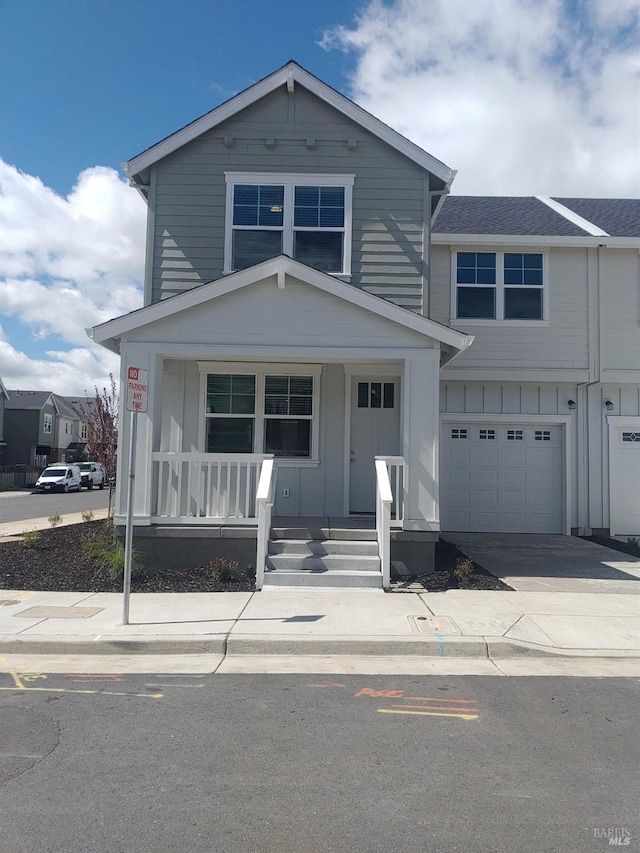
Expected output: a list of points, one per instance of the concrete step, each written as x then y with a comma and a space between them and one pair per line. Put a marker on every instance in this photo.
320, 533
328, 562
323, 547
330, 578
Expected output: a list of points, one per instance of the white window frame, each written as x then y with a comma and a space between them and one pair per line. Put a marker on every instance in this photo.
500, 286
260, 371
289, 182
47, 423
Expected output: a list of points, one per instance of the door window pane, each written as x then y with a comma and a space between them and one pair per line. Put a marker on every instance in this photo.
376, 395
363, 395
388, 395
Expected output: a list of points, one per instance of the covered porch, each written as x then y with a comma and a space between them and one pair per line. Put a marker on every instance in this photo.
281, 391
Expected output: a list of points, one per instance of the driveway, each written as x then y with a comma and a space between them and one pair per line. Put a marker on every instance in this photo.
541, 563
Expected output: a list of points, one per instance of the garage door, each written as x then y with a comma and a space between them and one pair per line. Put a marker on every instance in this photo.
625, 481
501, 478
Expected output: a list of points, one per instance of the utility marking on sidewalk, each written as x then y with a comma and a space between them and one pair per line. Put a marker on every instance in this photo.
327, 685
439, 708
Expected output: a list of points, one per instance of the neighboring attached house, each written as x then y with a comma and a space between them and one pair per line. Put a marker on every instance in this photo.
303, 342
42, 427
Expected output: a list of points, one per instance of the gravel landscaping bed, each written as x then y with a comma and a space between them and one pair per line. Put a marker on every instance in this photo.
58, 560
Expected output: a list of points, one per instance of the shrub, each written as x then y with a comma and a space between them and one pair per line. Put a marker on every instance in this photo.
463, 570
226, 571
107, 554
30, 538
55, 519
87, 515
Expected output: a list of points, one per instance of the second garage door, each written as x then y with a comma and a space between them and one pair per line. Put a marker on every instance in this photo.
501, 478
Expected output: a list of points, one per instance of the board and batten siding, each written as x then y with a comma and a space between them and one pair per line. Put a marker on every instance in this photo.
313, 491
562, 344
289, 133
619, 273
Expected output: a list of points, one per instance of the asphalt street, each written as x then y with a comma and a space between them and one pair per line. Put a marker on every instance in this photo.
18, 506
316, 764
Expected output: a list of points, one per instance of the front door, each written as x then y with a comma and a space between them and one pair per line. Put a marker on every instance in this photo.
375, 431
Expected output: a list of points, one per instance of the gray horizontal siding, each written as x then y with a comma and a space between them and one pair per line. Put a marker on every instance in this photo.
388, 194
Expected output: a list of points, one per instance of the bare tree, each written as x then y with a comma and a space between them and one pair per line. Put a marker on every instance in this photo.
101, 415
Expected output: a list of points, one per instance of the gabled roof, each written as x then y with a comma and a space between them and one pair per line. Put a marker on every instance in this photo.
3, 390
614, 222
108, 334
618, 217
64, 406
289, 75
28, 399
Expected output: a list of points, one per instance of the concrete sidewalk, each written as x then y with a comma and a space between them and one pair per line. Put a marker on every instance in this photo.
453, 624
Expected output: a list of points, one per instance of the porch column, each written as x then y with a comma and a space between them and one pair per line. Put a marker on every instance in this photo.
144, 437
421, 404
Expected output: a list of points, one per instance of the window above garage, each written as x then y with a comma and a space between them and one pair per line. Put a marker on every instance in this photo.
500, 287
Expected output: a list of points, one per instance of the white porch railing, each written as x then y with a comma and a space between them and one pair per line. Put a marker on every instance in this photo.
198, 488
264, 500
389, 508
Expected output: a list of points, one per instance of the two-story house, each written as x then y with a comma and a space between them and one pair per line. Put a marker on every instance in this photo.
310, 307
42, 427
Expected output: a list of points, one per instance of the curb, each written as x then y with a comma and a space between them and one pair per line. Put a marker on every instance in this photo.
261, 645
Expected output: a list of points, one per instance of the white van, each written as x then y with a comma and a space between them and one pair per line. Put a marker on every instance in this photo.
92, 474
59, 478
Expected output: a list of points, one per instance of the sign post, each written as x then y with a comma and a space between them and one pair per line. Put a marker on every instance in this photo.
137, 395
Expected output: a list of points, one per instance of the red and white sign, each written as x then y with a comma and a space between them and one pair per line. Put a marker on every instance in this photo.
137, 389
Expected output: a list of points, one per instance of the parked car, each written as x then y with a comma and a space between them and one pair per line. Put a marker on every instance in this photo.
92, 474
59, 478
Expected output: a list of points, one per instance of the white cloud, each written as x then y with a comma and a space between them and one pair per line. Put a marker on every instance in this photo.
66, 264
520, 97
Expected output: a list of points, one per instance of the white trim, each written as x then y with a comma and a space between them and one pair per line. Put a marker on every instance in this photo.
499, 287
289, 181
563, 421
515, 374
533, 240
289, 72
572, 216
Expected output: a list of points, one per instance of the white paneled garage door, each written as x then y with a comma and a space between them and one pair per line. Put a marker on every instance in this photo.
501, 478
624, 449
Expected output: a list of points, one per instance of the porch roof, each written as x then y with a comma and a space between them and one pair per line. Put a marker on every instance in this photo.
278, 269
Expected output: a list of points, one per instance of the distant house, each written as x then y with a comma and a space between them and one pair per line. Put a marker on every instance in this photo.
3, 400
330, 335
42, 427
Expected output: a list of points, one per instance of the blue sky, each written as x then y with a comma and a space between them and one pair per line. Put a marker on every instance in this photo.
91, 82
522, 97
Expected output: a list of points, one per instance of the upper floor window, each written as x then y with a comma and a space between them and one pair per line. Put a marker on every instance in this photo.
307, 217
47, 423
499, 286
